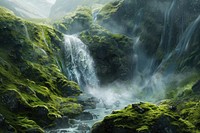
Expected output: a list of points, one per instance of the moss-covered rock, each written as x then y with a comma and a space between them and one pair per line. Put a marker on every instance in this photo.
75, 22
134, 18
31, 95
61, 7
178, 114
159, 24
112, 53
145, 118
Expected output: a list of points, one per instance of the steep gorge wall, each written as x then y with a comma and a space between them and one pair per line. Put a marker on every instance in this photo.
34, 93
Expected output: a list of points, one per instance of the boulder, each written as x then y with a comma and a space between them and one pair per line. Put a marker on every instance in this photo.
83, 127
62, 122
89, 103
143, 118
85, 116
13, 101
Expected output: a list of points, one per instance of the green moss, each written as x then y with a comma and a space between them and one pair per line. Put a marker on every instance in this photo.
71, 109
143, 129
109, 9
144, 117
31, 97
26, 125
112, 53
75, 22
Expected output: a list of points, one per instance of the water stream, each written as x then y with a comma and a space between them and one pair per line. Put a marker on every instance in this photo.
150, 79
78, 65
26, 32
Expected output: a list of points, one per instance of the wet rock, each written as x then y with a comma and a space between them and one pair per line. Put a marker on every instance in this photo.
172, 108
85, 116
62, 122
68, 88
196, 87
138, 108
89, 103
163, 125
155, 119
4, 126
12, 100
83, 127
2, 120
1, 81
25, 89
41, 111
34, 130
11, 129
43, 97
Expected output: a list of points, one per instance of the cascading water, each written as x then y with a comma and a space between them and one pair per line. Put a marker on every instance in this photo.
78, 65
181, 47
44, 38
26, 32
95, 14
166, 38
150, 80
164, 71
186, 37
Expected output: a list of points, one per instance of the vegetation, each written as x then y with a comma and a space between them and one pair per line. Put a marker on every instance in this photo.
75, 22
181, 114
112, 53
33, 91
35, 94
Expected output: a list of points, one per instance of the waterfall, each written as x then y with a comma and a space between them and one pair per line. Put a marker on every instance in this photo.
95, 14
26, 32
166, 38
181, 47
78, 65
186, 37
44, 38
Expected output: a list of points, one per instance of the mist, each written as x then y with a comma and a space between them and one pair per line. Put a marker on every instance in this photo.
113, 55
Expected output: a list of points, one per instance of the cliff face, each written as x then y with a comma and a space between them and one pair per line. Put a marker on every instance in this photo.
33, 91
140, 42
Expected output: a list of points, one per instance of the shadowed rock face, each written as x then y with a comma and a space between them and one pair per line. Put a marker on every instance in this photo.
112, 54
196, 87
35, 94
161, 25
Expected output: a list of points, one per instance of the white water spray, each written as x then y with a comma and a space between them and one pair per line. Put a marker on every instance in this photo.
78, 65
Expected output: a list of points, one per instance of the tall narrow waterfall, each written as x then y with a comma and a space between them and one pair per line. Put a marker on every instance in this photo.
26, 32
78, 65
166, 38
186, 37
181, 47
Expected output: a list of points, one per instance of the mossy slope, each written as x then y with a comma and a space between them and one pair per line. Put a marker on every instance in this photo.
75, 22
180, 114
33, 91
